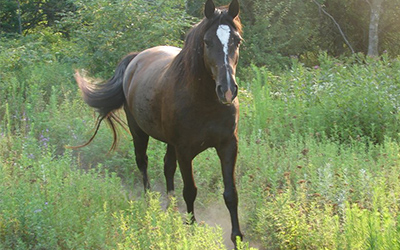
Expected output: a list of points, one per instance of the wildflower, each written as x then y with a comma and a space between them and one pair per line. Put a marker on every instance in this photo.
43, 139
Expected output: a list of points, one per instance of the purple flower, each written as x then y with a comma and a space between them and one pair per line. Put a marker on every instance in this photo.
43, 139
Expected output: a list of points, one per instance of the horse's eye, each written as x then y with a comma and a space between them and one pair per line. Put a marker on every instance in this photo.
208, 43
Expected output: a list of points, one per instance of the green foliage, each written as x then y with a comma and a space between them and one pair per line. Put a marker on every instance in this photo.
23, 16
47, 204
8, 16
104, 39
353, 16
163, 230
302, 221
343, 101
45, 46
277, 30
320, 195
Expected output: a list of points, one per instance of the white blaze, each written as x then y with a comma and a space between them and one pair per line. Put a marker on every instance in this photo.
223, 34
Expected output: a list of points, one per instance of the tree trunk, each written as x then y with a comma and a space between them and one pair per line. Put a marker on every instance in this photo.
373, 42
19, 18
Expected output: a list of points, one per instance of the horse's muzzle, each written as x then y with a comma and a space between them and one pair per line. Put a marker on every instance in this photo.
226, 95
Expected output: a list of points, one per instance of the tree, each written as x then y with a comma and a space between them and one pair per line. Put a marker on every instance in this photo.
8, 16
275, 30
373, 44
389, 27
18, 16
336, 23
369, 29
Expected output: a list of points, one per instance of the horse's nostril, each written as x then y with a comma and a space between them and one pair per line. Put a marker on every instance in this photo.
235, 91
220, 92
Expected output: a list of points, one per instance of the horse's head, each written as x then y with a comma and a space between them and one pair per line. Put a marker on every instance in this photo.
221, 48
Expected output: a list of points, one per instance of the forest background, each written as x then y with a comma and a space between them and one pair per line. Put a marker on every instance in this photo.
275, 29
319, 131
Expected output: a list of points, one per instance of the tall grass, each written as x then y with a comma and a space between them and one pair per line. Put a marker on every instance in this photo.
327, 196
345, 101
319, 167
47, 204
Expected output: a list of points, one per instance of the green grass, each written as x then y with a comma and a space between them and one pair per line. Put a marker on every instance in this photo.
345, 101
333, 197
47, 202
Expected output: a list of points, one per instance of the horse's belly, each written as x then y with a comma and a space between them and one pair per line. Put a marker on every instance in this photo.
148, 117
142, 104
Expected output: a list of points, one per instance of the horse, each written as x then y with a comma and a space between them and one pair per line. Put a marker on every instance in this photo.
183, 97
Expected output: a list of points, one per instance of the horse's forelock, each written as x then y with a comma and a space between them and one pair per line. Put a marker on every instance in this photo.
224, 17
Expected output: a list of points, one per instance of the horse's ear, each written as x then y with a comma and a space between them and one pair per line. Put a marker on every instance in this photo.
233, 8
209, 9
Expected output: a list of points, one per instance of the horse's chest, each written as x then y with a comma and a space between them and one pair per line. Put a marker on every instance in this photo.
206, 128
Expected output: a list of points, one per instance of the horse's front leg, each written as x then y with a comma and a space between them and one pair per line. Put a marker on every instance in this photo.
169, 171
227, 153
189, 187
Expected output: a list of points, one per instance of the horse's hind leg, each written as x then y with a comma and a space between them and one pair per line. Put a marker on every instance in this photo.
140, 142
170, 168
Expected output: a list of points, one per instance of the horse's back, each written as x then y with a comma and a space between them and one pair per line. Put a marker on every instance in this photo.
149, 63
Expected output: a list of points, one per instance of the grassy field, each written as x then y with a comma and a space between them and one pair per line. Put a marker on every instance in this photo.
318, 164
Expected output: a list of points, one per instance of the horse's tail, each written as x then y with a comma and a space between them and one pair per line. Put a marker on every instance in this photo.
105, 97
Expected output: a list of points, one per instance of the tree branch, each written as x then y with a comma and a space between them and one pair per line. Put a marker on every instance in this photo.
337, 25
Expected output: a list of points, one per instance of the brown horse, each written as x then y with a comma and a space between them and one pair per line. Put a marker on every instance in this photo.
185, 98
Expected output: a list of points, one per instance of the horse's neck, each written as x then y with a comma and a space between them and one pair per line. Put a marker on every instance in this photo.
203, 88
193, 77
